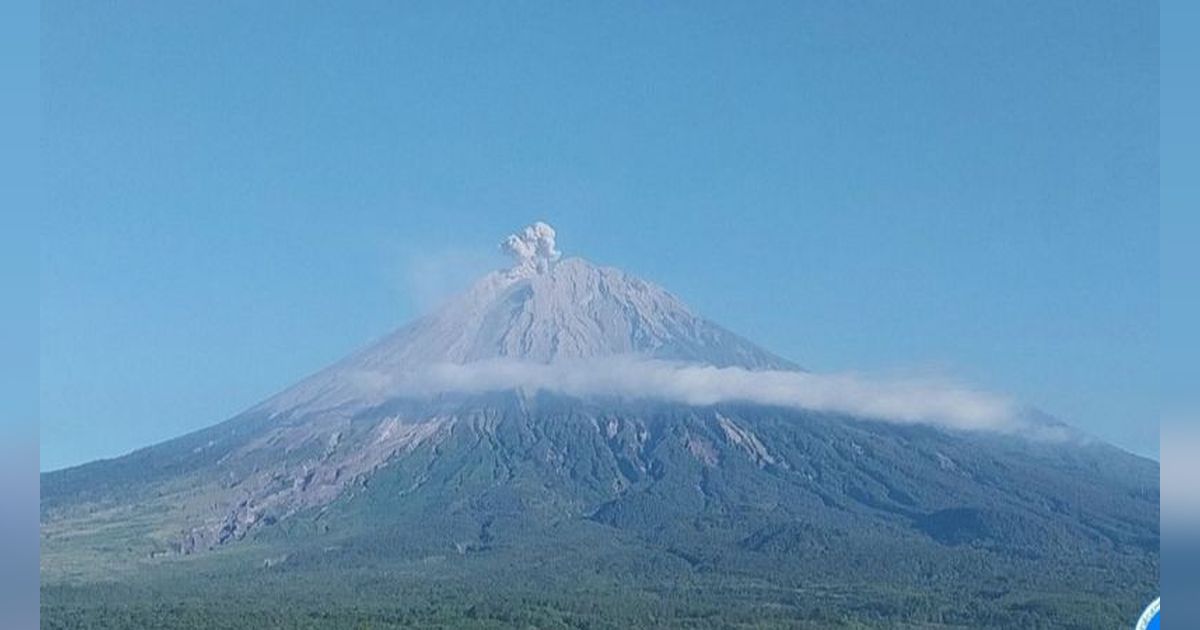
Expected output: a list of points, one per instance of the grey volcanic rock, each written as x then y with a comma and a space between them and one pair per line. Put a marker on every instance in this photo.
562, 310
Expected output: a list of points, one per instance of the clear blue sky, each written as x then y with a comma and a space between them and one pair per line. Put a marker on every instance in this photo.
238, 193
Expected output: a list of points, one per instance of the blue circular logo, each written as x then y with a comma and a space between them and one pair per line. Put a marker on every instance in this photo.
1149, 620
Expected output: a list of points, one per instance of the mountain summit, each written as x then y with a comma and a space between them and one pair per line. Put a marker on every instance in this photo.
673, 475
548, 308
544, 309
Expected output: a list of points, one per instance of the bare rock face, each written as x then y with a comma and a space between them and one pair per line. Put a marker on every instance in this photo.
310, 463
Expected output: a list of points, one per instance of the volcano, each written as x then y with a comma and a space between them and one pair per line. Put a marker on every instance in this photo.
567, 445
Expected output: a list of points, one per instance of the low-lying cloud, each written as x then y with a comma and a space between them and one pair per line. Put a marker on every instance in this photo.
913, 401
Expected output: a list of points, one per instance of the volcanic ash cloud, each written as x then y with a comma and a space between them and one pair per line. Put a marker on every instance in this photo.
532, 248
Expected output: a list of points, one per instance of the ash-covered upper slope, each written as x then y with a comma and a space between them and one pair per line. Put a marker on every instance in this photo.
543, 309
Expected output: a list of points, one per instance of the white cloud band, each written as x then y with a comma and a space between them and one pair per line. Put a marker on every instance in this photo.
915, 401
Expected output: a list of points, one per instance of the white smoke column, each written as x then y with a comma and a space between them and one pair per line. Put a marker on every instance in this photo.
533, 248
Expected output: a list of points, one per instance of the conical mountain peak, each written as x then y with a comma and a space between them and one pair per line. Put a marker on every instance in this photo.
544, 309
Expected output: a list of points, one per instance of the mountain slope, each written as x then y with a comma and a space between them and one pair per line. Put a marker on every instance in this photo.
571, 309
346, 500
